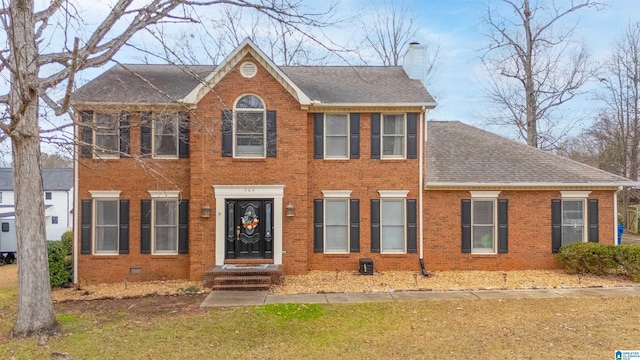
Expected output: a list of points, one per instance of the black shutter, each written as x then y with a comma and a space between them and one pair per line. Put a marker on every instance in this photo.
354, 129
375, 225
124, 227
318, 225
145, 226
466, 225
183, 227
503, 226
412, 226
412, 135
272, 135
227, 133
145, 133
375, 136
86, 117
354, 227
85, 234
593, 220
125, 134
556, 225
183, 134
318, 135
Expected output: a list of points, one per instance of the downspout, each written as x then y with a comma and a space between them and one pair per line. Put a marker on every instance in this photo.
75, 208
615, 217
420, 189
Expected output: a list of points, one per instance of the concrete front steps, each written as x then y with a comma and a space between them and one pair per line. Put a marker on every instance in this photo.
251, 277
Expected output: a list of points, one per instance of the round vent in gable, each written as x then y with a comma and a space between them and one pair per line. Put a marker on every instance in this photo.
248, 69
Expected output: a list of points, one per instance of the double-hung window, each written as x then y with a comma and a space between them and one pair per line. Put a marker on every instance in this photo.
574, 218
573, 221
336, 222
483, 226
393, 136
250, 127
106, 226
165, 135
392, 216
106, 135
336, 134
165, 221
106, 221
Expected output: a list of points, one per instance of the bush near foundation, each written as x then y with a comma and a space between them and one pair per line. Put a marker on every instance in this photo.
59, 253
600, 259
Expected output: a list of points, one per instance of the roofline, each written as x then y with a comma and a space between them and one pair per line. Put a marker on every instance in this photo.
529, 184
194, 95
82, 104
428, 105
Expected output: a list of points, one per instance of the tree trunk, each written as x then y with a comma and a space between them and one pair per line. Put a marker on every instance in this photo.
35, 308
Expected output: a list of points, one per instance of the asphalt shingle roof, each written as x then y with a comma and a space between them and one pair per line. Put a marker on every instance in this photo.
52, 179
327, 84
457, 153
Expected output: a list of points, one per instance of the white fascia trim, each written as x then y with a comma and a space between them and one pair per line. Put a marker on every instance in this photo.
336, 193
427, 105
532, 184
96, 194
393, 193
575, 194
193, 97
173, 194
484, 194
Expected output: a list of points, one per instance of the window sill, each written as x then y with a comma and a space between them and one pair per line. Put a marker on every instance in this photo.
480, 255
105, 256
336, 255
249, 159
165, 257
395, 255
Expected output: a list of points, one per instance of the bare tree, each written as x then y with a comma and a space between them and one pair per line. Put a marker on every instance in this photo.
37, 69
534, 65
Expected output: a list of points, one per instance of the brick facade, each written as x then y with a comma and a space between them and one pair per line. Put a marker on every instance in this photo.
304, 178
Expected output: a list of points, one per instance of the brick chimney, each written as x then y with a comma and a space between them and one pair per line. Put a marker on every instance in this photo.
414, 61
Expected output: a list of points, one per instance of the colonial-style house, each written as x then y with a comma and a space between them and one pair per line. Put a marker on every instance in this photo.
182, 170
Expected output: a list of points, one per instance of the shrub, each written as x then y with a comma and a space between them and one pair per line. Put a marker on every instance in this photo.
59, 253
599, 259
628, 257
588, 258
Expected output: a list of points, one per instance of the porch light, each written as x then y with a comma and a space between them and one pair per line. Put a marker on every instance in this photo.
206, 211
290, 210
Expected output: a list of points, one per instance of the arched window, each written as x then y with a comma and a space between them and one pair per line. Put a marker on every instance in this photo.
249, 127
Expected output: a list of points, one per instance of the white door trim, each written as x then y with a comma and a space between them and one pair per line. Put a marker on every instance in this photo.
223, 192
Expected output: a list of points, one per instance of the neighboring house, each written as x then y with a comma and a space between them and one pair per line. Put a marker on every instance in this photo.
183, 168
58, 199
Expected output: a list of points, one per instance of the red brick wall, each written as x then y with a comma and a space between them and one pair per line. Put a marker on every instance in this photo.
134, 177
529, 231
364, 177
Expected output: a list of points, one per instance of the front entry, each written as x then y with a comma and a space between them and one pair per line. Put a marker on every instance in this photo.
249, 229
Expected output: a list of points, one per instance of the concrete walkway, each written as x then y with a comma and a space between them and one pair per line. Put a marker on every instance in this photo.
253, 298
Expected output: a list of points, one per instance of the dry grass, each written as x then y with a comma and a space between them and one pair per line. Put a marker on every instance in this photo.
8, 275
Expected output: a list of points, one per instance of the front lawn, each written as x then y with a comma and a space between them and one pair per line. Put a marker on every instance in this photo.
164, 327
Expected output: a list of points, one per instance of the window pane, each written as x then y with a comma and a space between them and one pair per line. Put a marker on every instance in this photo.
166, 134
106, 212
336, 238
336, 146
166, 212
336, 124
571, 234
107, 238
393, 212
393, 238
393, 125
336, 212
250, 102
482, 212
483, 239
572, 212
249, 122
250, 133
166, 238
106, 134
393, 145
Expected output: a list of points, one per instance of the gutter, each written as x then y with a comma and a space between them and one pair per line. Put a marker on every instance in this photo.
437, 185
